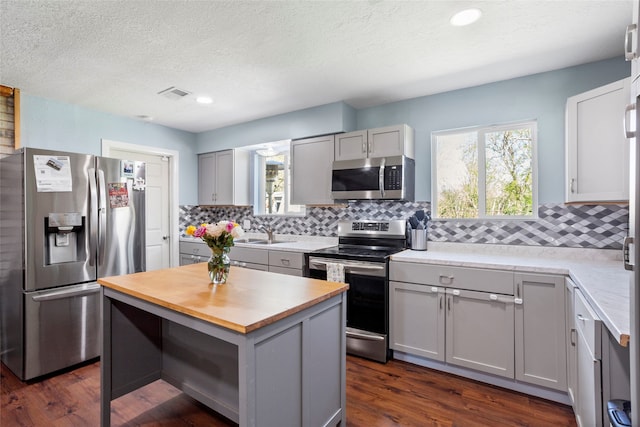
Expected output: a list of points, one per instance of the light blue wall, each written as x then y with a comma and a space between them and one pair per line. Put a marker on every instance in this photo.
324, 119
540, 96
59, 126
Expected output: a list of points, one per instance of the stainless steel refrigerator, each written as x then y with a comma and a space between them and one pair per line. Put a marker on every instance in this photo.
66, 219
631, 247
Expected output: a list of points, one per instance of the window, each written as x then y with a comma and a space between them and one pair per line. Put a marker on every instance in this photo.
484, 172
272, 180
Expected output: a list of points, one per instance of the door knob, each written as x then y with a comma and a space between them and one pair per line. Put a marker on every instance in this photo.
165, 237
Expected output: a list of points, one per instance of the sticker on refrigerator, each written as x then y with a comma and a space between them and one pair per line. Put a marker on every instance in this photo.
53, 173
126, 167
118, 195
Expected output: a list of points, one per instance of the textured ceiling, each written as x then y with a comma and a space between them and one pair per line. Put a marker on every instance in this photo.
260, 58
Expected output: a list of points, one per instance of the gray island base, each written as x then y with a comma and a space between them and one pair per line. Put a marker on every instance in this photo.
289, 372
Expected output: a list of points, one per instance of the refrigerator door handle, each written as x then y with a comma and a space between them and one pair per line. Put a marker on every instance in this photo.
68, 293
625, 252
102, 215
93, 212
628, 133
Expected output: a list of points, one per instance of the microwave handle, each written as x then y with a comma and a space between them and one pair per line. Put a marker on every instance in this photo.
381, 177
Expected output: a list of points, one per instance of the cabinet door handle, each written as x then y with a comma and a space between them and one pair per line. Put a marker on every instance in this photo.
441, 302
629, 53
285, 261
518, 290
571, 188
364, 146
445, 280
628, 133
573, 337
581, 318
625, 252
449, 304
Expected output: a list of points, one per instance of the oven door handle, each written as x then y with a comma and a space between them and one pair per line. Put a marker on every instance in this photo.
315, 263
364, 336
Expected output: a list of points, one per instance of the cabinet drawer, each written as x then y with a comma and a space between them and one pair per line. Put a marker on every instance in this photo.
474, 279
256, 256
195, 248
250, 265
588, 324
286, 259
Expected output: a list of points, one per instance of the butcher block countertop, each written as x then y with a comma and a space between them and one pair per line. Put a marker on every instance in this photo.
249, 300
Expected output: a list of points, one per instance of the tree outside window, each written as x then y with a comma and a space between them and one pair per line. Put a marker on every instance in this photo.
485, 172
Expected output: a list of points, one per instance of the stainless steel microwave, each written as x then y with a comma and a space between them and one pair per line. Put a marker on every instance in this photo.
387, 178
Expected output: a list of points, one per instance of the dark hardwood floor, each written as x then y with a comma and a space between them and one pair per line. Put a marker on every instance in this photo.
394, 394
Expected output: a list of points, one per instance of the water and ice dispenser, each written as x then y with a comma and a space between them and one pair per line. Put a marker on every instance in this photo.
65, 237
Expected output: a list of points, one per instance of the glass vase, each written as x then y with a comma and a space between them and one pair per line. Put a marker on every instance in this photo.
219, 265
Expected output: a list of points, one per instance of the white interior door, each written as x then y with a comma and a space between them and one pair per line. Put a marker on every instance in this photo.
158, 224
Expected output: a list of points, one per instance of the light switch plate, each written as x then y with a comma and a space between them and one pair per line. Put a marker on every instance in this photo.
246, 224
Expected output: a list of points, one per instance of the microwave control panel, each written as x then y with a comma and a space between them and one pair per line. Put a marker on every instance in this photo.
393, 178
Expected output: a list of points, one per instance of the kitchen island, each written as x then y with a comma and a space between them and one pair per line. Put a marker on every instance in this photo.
264, 349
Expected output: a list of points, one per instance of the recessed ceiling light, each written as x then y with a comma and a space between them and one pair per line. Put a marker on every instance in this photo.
465, 17
204, 100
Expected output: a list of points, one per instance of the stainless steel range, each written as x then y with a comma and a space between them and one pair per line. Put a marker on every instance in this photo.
363, 252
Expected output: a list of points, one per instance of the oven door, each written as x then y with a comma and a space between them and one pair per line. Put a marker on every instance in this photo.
367, 304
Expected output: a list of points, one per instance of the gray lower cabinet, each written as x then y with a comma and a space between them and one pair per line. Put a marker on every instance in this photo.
493, 321
479, 331
285, 262
540, 338
193, 252
256, 259
588, 406
416, 314
598, 367
275, 261
572, 367
435, 314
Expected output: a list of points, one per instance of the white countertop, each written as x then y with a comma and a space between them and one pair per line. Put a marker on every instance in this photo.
598, 273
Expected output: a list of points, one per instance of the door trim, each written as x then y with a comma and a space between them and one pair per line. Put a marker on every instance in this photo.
108, 145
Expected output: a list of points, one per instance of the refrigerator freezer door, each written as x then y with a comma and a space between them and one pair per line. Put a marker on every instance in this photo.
634, 226
121, 213
63, 328
57, 219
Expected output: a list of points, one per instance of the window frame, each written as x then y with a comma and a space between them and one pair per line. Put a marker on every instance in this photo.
481, 132
258, 183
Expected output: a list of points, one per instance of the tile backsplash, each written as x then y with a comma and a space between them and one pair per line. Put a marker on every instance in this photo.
558, 225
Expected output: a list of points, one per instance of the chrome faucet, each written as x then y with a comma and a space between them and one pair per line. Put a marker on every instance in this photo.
269, 231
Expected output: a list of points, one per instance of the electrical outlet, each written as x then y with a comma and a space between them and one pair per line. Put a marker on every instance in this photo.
246, 224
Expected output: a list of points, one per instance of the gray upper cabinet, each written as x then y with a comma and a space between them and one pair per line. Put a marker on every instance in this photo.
352, 145
223, 178
311, 161
540, 330
597, 151
387, 141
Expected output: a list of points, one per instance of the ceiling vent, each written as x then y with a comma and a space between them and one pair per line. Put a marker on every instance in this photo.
174, 93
